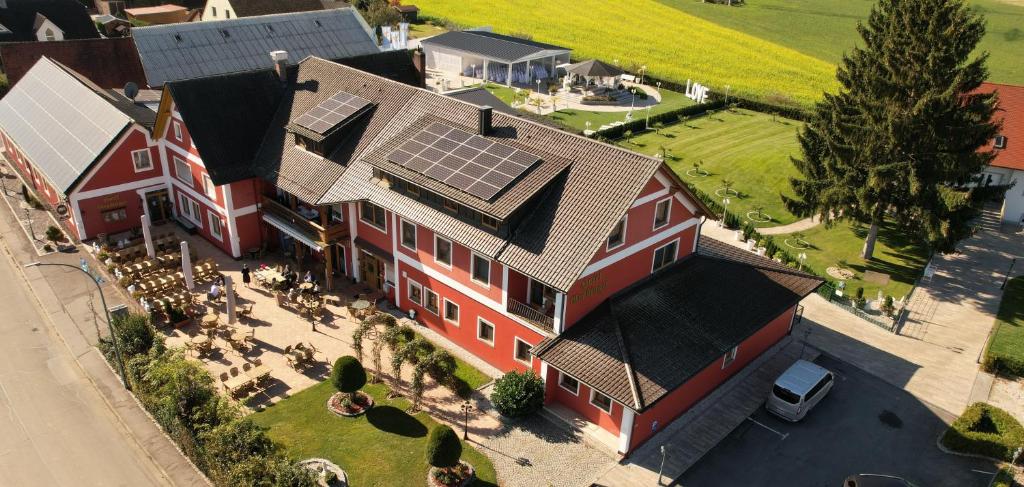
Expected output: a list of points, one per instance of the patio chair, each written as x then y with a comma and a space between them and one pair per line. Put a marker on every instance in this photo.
257, 362
223, 376
234, 371
281, 300
288, 349
246, 367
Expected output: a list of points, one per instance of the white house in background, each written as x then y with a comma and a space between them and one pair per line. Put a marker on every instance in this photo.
1008, 166
494, 57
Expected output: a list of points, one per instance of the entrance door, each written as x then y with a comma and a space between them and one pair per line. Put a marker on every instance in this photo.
370, 269
156, 206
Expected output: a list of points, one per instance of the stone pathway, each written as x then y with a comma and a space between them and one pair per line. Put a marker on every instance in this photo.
798, 226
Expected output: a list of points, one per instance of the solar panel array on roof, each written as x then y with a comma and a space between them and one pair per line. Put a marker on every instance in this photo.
331, 112
196, 49
462, 160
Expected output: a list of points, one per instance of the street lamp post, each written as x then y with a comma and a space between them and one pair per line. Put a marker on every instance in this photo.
466, 407
647, 121
103, 300
643, 70
28, 216
725, 211
802, 257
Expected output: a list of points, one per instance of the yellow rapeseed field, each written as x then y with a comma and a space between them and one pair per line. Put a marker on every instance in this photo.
672, 44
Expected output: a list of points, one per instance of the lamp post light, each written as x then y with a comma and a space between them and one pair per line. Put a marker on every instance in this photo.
643, 70
472, 71
659, 86
103, 300
802, 257
727, 88
588, 124
647, 121
466, 407
725, 211
538, 87
27, 208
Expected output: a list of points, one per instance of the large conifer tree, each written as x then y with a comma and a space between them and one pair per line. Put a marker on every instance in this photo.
902, 135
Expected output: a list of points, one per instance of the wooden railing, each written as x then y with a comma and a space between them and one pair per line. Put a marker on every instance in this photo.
329, 234
530, 314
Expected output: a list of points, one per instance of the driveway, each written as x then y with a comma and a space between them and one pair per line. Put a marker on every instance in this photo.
864, 425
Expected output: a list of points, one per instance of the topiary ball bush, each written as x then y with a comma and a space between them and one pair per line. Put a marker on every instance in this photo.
348, 375
443, 447
518, 394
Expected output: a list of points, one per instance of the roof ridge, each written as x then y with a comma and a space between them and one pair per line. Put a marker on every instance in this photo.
771, 268
627, 360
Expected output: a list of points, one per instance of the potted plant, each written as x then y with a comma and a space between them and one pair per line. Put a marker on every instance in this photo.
54, 235
348, 376
176, 316
887, 306
761, 248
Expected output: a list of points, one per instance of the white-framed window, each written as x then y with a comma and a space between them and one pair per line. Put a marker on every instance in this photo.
115, 215
665, 255
415, 292
408, 235
141, 160
177, 130
451, 312
662, 212
485, 331
481, 269
190, 209
730, 356
336, 214
209, 188
618, 236
183, 171
50, 36
373, 215
430, 300
442, 251
569, 383
600, 401
215, 225
521, 352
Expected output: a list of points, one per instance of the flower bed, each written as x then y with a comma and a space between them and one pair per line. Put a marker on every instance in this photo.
460, 475
340, 404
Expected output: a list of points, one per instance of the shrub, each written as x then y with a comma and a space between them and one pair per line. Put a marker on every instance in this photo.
348, 375
47, 248
443, 447
54, 234
518, 394
135, 335
985, 430
887, 306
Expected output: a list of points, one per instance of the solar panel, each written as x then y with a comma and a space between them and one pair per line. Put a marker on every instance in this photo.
462, 160
331, 112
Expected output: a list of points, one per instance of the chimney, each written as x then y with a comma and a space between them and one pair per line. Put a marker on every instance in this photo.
419, 61
485, 120
280, 64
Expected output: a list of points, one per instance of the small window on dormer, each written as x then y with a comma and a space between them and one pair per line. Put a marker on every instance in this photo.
451, 206
50, 36
413, 190
1000, 142
489, 222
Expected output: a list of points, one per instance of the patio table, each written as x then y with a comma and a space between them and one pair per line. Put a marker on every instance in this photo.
200, 339
360, 304
210, 321
258, 372
237, 383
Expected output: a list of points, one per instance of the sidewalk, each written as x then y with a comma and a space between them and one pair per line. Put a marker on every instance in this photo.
65, 298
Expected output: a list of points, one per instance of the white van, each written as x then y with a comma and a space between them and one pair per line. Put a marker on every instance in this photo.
798, 390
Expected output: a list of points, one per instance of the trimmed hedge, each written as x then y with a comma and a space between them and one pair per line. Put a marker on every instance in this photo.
985, 430
672, 116
795, 112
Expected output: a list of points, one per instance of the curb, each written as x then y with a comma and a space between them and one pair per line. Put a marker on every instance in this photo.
943, 449
6, 249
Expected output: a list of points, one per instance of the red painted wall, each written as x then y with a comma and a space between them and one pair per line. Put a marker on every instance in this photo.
119, 168
678, 401
374, 235
460, 269
581, 404
500, 354
92, 213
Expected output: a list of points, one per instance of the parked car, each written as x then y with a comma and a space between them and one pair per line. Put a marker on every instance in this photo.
798, 390
875, 480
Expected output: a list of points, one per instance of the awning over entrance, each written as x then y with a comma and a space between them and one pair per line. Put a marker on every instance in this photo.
373, 249
296, 233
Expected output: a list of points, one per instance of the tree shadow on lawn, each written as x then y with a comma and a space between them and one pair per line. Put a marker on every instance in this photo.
394, 420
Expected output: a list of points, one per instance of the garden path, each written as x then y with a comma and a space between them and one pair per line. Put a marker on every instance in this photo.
799, 226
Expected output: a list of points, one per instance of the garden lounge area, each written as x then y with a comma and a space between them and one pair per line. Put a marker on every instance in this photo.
276, 354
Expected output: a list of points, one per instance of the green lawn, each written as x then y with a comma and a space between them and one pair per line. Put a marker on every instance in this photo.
748, 148
1008, 340
577, 119
384, 447
896, 254
825, 29
420, 30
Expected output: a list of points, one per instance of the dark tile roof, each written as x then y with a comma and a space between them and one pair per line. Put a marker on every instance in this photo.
110, 63
649, 339
490, 45
251, 8
227, 117
21, 16
482, 97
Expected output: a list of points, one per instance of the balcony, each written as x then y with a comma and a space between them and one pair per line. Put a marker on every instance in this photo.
327, 235
531, 314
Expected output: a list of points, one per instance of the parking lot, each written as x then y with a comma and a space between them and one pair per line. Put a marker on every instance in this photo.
864, 425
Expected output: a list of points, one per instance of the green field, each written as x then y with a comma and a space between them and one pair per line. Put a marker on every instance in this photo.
748, 148
896, 254
673, 44
1007, 345
825, 29
383, 447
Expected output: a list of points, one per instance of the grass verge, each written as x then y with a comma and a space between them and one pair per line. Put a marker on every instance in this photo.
1005, 353
384, 447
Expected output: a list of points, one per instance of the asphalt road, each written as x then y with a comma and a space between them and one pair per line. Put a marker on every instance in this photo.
55, 429
864, 425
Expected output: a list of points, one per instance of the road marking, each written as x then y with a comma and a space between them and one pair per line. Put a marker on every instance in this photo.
982, 471
781, 435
